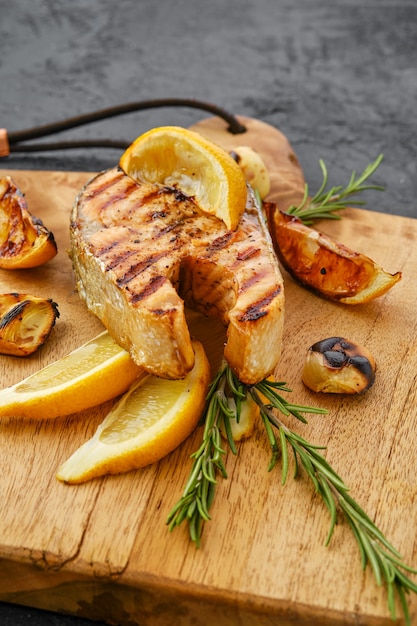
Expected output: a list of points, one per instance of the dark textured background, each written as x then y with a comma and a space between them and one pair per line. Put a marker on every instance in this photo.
339, 78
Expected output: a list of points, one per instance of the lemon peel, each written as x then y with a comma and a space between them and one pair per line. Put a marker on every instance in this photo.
97, 371
178, 157
148, 422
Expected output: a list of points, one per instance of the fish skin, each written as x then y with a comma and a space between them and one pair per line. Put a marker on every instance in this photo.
141, 252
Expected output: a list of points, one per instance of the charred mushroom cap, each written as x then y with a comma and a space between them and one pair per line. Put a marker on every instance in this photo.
337, 365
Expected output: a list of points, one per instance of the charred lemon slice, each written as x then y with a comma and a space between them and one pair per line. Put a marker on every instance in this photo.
323, 265
24, 241
177, 157
25, 323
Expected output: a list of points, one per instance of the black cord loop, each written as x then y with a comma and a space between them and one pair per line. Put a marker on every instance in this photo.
15, 138
68, 145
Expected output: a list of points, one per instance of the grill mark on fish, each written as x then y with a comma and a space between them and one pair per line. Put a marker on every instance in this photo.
255, 310
177, 225
118, 196
119, 259
116, 249
220, 242
179, 195
172, 194
250, 252
97, 188
151, 198
172, 202
256, 277
138, 268
117, 188
152, 286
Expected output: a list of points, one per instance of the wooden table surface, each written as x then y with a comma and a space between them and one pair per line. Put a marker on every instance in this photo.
263, 558
340, 80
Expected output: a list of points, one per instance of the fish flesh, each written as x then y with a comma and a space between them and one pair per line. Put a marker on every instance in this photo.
143, 252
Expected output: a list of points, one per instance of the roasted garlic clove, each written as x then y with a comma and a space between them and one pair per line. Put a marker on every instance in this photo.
24, 240
242, 429
25, 323
337, 365
254, 169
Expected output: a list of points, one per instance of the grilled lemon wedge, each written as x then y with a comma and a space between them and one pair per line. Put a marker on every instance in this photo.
24, 240
323, 265
25, 323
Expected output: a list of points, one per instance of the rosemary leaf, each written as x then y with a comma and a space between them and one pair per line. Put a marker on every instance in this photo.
329, 500
284, 456
275, 450
224, 398
229, 434
327, 202
372, 555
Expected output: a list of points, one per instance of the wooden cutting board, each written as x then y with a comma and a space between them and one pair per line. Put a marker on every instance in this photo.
102, 550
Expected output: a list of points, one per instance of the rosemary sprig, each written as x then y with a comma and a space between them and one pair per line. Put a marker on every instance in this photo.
224, 401
374, 548
326, 202
198, 495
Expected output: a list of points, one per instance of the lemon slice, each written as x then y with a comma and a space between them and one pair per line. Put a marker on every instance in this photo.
96, 372
175, 156
147, 423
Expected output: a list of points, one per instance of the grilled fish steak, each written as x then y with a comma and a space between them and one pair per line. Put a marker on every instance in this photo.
142, 252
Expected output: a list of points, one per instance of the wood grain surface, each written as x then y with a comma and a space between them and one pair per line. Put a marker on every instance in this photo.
102, 550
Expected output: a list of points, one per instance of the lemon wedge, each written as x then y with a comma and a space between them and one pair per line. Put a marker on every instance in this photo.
325, 266
97, 371
181, 158
146, 424
25, 242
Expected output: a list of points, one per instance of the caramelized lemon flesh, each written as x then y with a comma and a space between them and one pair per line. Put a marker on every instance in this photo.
154, 417
176, 157
24, 240
323, 265
96, 372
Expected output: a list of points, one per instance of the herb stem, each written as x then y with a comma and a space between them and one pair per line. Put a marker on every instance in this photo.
374, 548
327, 202
225, 399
